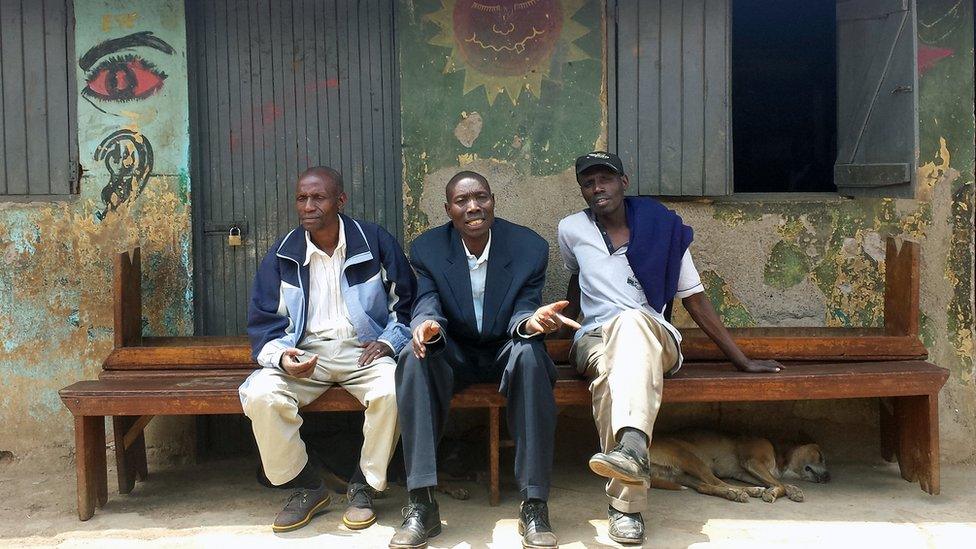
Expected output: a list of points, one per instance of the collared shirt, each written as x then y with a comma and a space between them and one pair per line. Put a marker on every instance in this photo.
478, 266
608, 285
328, 317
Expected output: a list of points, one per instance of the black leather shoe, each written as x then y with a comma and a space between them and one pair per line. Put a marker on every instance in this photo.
533, 526
420, 522
623, 464
301, 507
626, 528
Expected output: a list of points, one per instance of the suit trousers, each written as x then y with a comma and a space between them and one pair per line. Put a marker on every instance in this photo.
271, 399
625, 361
526, 376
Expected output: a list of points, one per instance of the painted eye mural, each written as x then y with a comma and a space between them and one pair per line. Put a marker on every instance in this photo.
506, 46
122, 76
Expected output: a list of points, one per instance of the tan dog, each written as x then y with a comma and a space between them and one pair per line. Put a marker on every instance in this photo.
700, 459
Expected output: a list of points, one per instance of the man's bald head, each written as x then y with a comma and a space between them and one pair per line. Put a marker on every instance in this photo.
326, 174
460, 176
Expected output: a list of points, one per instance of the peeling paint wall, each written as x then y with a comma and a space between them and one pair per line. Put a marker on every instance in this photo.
778, 262
56, 284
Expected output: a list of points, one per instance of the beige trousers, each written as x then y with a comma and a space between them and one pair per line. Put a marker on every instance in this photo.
271, 399
625, 361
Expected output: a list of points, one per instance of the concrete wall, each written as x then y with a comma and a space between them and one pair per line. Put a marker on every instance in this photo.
55, 286
521, 117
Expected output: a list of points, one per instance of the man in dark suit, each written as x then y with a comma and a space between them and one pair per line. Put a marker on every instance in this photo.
478, 317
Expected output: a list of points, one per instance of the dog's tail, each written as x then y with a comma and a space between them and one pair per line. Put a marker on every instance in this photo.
665, 484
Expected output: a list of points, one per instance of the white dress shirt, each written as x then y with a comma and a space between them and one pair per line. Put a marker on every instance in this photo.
328, 317
478, 266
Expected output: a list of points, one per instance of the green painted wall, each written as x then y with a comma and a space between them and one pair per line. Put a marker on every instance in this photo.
55, 287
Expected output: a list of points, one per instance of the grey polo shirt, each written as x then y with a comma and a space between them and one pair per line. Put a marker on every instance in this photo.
607, 283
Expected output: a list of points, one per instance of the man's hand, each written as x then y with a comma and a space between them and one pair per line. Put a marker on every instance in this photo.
757, 366
422, 334
296, 368
546, 319
373, 350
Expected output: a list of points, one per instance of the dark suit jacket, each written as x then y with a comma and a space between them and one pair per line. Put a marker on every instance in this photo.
513, 286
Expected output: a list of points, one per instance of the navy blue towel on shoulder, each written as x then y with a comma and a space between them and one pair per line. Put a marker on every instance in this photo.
658, 241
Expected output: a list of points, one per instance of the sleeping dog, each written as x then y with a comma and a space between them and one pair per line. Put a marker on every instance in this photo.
700, 459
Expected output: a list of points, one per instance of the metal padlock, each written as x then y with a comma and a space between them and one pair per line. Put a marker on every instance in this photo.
234, 238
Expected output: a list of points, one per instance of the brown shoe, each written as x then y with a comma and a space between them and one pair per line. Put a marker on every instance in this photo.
359, 514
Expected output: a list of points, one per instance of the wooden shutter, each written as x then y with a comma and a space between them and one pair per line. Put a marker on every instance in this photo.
38, 126
877, 100
669, 93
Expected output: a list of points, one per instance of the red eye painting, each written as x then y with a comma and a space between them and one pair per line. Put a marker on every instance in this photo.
123, 78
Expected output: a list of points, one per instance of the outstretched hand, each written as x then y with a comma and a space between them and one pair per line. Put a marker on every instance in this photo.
758, 366
547, 319
422, 334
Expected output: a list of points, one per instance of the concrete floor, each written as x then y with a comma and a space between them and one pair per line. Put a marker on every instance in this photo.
218, 504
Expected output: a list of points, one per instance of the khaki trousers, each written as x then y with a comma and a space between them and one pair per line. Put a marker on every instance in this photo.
625, 361
271, 399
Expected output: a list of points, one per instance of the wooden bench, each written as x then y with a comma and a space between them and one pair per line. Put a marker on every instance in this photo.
146, 376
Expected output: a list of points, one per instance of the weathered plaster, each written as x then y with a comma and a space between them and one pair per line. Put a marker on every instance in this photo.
56, 284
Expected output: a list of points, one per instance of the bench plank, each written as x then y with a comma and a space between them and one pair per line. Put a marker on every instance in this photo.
696, 382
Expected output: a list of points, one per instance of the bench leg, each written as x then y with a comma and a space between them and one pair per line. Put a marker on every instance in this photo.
917, 419
493, 448
889, 429
90, 468
130, 450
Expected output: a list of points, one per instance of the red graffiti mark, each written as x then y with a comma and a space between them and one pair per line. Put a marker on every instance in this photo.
270, 112
928, 57
506, 38
322, 85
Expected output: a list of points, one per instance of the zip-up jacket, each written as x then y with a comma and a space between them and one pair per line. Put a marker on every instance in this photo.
377, 286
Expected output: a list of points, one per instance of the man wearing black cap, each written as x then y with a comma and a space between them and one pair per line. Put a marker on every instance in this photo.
629, 259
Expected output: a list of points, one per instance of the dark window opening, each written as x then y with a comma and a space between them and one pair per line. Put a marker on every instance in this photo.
784, 95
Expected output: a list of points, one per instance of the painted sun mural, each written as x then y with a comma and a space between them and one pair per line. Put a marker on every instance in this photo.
507, 45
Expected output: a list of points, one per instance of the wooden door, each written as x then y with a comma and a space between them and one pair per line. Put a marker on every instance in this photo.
277, 87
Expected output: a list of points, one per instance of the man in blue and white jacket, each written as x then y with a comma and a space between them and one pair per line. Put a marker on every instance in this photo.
330, 305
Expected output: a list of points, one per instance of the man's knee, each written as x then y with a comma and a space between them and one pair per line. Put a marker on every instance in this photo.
531, 358
260, 392
631, 317
408, 367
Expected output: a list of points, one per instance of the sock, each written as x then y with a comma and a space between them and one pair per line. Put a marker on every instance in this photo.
421, 495
309, 477
634, 439
358, 477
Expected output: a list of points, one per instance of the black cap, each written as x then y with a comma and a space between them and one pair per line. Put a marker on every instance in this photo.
599, 158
